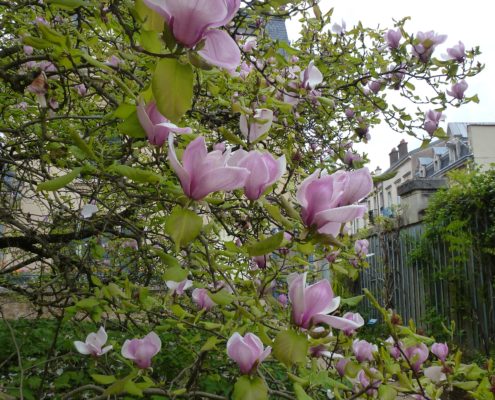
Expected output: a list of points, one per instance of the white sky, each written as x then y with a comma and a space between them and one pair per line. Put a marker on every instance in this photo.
472, 22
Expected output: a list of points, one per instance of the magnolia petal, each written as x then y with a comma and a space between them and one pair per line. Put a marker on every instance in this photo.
183, 175
339, 214
336, 322
220, 50
223, 178
101, 336
301, 194
435, 373
106, 349
317, 299
128, 349
159, 7
82, 347
297, 285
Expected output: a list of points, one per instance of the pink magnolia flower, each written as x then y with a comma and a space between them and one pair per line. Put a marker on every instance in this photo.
375, 86
350, 158
311, 304
311, 77
201, 298
363, 350
39, 87
258, 124
22, 106
458, 52
283, 300
141, 351
192, 22
340, 366
327, 200
425, 44
264, 170
417, 355
457, 90
202, 173
349, 113
28, 50
81, 89
114, 61
156, 126
355, 317
248, 351
441, 350
260, 261
179, 287
393, 38
367, 381
432, 119
94, 343
435, 374
393, 348
361, 247
88, 210
249, 45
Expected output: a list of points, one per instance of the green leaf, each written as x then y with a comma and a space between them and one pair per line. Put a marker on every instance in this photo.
267, 245
183, 226
172, 86
222, 297
135, 174
210, 343
176, 274
87, 304
386, 392
300, 393
352, 301
131, 388
103, 379
290, 347
152, 21
132, 127
69, 4
82, 145
59, 182
250, 388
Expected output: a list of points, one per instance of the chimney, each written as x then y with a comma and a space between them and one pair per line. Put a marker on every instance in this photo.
394, 156
402, 149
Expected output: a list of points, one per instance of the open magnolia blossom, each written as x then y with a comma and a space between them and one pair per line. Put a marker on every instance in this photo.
393, 38
264, 170
311, 77
257, 125
363, 350
192, 23
179, 287
141, 351
425, 43
311, 304
94, 343
327, 200
355, 317
156, 126
248, 351
435, 373
88, 210
202, 173
417, 355
457, 90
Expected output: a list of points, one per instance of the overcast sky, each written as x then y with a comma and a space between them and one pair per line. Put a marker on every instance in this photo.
472, 22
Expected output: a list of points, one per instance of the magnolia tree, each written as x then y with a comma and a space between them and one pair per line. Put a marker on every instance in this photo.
176, 184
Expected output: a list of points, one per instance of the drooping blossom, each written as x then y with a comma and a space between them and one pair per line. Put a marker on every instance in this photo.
248, 351
349, 113
393, 38
22, 106
311, 76
435, 374
192, 22
340, 366
114, 61
202, 173
249, 45
311, 304
332, 256
355, 317
339, 29
425, 43
220, 146
457, 52
417, 355
351, 158
179, 287
28, 50
88, 210
432, 119
327, 200
367, 381
260, 261
283, 300
393, 348
441, 350
363, 350
156, 126
245, 70
81, 89
257, 125
39, 87
94, 344
264, 170
201, 298
141, 351
457, 90
375, 86
361, 247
